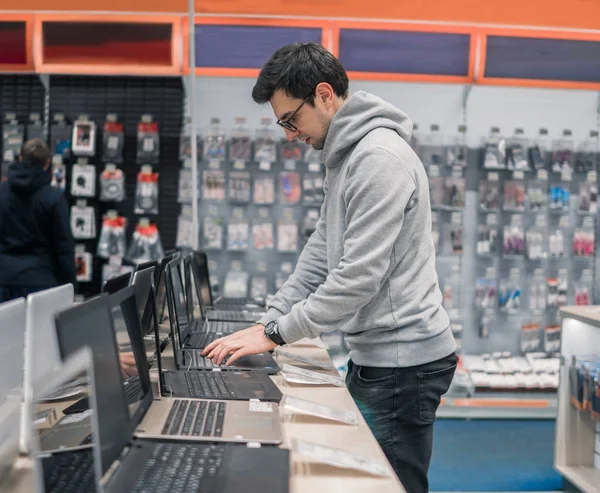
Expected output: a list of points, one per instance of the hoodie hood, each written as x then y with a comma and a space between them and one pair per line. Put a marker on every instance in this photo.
362, 113
26, 178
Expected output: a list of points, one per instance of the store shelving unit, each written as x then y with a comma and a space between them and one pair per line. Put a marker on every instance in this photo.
577, 452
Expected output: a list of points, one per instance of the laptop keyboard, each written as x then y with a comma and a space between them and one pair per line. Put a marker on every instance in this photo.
174, 468
133, 390
208, 385
195, 418
200, 340
69, 472
229, 315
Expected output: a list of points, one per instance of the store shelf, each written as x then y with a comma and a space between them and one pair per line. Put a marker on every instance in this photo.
509, 407
585, 478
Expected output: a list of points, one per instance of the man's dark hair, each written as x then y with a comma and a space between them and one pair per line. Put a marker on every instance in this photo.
297, 69
35, 151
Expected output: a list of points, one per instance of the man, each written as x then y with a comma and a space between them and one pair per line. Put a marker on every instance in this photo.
369, 268
37, 250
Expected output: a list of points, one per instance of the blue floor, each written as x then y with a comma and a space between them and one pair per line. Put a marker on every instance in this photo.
493, 455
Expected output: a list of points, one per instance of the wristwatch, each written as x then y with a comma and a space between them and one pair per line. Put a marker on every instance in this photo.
272, 333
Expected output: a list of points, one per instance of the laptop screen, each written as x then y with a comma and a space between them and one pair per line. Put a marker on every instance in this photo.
179, 301
117, 283
191, 293
142, 282
90, 324
161, 286
203, 277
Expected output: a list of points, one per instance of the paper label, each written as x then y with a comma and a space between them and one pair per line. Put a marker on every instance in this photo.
340, 458
493, 177
294, 404
305, 359
330, 379
264, 166
76, 418
260, 407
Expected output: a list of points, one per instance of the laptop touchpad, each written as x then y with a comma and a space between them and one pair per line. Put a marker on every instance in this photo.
257, 422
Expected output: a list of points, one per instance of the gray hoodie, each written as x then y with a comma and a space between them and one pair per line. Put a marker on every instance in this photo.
369, 268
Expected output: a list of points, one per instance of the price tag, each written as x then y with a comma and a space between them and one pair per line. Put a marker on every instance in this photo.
456, 218
264, 166
313, 375
34, 117
314, 167
11, 116
518, 175
592, 177
240, 165
588, 222
111, 168
187, 164
236, 265
261, 266
313, 214
563, 273
564, 221
305, 360
542, 174
566, 175
238, 212
77, 418
515, 274
493, 177
112, 118
434, 170
540, 221
214, 164
301, 406
263, 212
538, 273
147, 118
79, 248
515, 220
147, 169
288, 214
490, 273
59, 117
82, 161
213, 210
83, 118
491, 219
187, 211
286, 268
289, 165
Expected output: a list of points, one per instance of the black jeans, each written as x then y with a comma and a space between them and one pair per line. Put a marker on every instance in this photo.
8, 293
399, 405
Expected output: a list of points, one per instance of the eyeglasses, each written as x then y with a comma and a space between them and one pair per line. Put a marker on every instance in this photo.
286, 123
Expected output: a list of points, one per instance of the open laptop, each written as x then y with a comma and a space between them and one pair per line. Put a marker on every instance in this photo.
117, 283
234, 385
136, 466
42, 355
187, 347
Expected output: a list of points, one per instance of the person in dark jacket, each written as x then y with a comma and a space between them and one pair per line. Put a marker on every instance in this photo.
37, 249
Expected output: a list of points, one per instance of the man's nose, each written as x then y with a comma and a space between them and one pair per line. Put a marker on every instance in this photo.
289, 135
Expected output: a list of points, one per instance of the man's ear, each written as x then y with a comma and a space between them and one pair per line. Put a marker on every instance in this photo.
324, 94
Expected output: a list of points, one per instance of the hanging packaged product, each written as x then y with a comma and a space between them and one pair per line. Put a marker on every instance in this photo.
556, 242
289, 188
531, 336
236, 283
258, 287
145, 243
240, 144
185, 143
83, 264
13, 137
35, 127
552, 339
287, 235
509, 293
451, 290
537, 194
61, 133
537, 149
213, 233
113, 140
238, 232
185, 228
83, 141
83, 221
584, 242
112, 184
146, 192
59, 173
112, 236
239, 187
487, 237
516, 151
584, 288
214, 142
436, 186
588, 195
265, 147
454, 192
453, 241
264, 190
557, 289
494, 150
559, 196
562, 152
489, 193
456, 149
291, 151
185, 186
514, 195
262, 234
310, 222
514, 239
485, 291
537, 292
432, 150
312, 189
148, 141
83, 179
535, 241
586, 159
213, 184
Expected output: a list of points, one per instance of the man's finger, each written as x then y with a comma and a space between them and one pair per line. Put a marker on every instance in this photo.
212, 345
225, 349
238, 354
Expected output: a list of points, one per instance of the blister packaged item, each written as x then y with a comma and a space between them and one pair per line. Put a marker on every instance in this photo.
562, 152
537, 149
238, 234
13, 137
436, 187
214, 142
537, 195
514, 195
258, 287
487, 240
588, 196
83, 180
113, 140
537, 292
83, 221
514, 241
489, 193
559, 197
535, 240
185, 143
148, 141
586, 159
146, 193
557, 289
454, 192
83, 142
145, 243
516, 151
556, 243
456, 149
59, 173
291, 151
552, 339
432, 149
61, 133
485, 293
262, 234
111, 242
453, 240
185, 229
84, 266
310, 222
531, 336
35, 127
240, 144
265, 147
289, 187
213, 182
264, 189
494, 150
112, 184
239, 186
287, 236
509, 293
236, 284
584, 242
451, 289
185, 187
584, 288
213, 233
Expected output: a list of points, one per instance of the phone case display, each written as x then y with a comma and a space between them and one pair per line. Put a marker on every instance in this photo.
239, 186
145, 243
113, 141
487, 240
83, 221
83, 180
584, 242
557, 289
287, 236
289, 188
215, 147
112, 184
537, 148
112, 237
213, 233
262, 234
291, 151
59, 173
509, 293
584, 288
146, 193
516, 151
312, 189
537, 195
238, 234
588, 196
236, 284
240, 144
454, 192
213, 182
562, 153
265, 148
559, 197
185, 142
148, 141
258, 287
13, 137
60, 136
494, 150
83, 264
514, 241
264, 190
514, 195
84, 138
489, 193
586, 159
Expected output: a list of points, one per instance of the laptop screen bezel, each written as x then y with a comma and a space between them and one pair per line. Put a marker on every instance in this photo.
115, 284
201, 264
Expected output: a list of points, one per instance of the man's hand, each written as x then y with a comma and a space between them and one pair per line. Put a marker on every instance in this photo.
242, 343
128, 365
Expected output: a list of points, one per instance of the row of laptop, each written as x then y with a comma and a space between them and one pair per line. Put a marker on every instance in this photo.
92, 418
